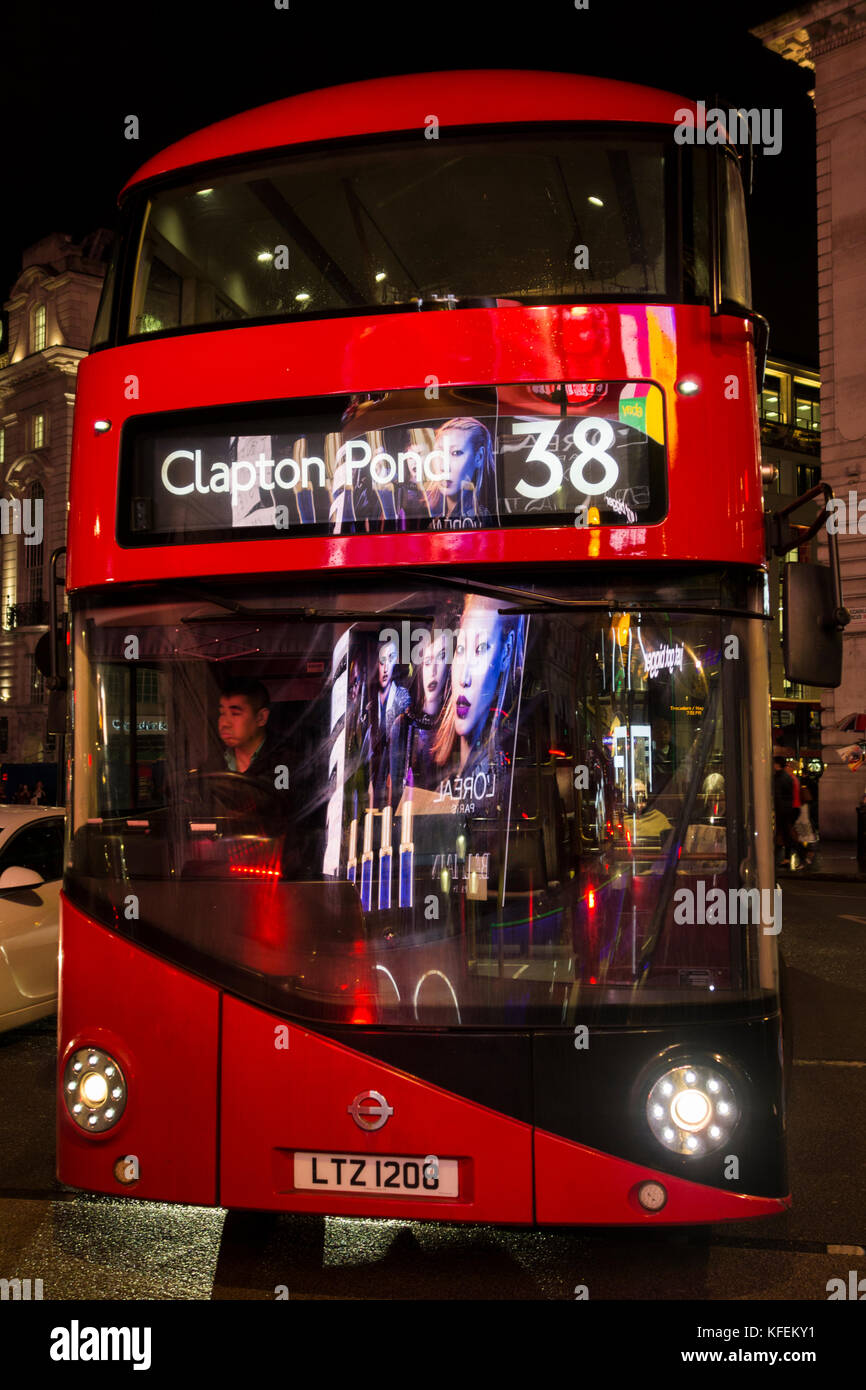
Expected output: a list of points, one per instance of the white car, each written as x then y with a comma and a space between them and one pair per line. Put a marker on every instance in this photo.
31, 868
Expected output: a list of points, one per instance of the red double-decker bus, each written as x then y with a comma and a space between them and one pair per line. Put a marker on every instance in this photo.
420, 860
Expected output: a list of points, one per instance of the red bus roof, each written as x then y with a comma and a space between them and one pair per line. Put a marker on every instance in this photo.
406, 103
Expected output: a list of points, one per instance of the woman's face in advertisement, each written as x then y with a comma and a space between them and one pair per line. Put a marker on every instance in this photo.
387, 662
480, 656
434, 671
463, 460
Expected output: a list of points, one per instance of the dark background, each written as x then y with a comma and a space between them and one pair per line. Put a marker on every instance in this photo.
73, 73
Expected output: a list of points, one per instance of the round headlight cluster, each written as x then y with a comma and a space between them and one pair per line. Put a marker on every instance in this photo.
94, 1089
692, 1109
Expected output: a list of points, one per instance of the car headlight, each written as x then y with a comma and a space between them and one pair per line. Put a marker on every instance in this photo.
692, 1109
94, 1089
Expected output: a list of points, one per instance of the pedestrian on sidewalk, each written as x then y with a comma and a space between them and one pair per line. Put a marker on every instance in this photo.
804, 835
784, 792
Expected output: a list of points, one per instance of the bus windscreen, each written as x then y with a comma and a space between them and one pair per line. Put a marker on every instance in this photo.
430, 803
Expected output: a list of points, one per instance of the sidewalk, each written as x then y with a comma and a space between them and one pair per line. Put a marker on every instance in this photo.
834, 860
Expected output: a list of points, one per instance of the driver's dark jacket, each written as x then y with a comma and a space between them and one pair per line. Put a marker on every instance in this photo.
276, 814
273, 754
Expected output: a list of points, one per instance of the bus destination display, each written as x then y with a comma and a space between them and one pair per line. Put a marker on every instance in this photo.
469, 458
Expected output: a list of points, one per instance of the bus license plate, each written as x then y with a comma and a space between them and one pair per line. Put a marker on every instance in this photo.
379, 1174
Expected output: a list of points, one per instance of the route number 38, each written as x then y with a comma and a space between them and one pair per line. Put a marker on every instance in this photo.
586, 453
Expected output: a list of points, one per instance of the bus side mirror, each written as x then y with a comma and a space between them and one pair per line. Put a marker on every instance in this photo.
52, 665
812, 626
57, 709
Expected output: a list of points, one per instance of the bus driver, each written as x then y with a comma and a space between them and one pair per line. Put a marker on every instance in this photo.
248, 747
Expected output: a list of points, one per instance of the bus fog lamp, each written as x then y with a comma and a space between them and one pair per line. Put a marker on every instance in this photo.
692, 1109
94, 1090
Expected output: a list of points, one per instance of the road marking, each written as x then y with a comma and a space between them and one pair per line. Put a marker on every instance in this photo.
820, 891
820, 1062
846, 917
789, 1246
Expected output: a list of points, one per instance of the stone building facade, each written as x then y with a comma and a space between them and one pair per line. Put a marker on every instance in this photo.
50, 311
829, 36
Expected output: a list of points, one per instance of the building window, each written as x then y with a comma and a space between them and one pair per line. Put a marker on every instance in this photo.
808, 476
772, 403
37, 683
794, 690
38, 431
34, 563
2, 445
37, 328
807, 406
149, 688
775, 485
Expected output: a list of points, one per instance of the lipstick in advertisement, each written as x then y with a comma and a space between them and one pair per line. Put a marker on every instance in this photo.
352, 862
367, 858
306, 505
304, 499
385, 856
348, 503
407, 848
387, 502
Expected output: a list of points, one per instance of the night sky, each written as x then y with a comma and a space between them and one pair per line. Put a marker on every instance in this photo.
71, 74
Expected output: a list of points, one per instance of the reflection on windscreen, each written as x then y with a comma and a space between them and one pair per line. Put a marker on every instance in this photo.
376, 227
427, 808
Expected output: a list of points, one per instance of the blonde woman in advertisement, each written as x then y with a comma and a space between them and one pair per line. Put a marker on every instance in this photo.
488, 652
466, 494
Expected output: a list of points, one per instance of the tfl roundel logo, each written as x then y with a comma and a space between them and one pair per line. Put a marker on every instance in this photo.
370, 1110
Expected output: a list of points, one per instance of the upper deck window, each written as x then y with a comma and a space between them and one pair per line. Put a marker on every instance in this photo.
736, 280
102, 326
526, 217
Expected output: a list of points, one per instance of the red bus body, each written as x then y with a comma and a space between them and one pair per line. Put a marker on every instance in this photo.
215, 1108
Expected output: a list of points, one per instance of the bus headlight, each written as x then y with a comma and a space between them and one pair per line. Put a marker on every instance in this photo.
94, 1089
692, 1109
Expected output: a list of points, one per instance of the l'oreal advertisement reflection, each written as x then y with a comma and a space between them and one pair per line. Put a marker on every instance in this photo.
424, 760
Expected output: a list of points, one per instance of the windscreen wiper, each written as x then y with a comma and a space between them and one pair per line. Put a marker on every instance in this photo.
311, 615
453, 301
549, 603
279, 615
